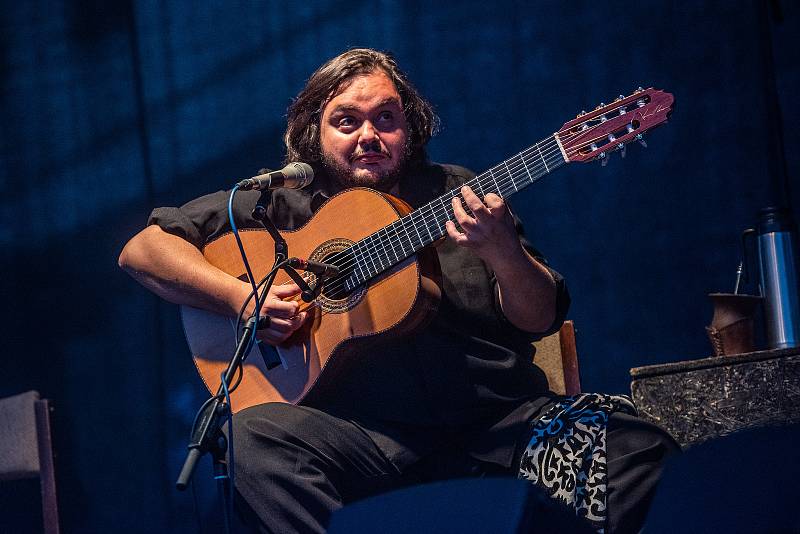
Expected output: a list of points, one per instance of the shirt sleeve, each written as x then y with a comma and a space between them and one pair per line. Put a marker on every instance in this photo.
206, 217
458, 175
562, 294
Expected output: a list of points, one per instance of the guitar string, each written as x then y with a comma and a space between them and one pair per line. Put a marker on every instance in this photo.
548, 153
554, 152
503, 183
479, 183
502, 180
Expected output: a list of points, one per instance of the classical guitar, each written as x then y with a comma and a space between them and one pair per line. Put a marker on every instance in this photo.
388, 284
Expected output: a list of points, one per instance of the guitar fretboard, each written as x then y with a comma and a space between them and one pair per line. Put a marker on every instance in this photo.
392, 244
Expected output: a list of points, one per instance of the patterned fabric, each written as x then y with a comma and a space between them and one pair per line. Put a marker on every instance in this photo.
566, 454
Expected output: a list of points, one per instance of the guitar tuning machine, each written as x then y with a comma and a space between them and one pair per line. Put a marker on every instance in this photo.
640, 138
602, 104
581, 114
603, 159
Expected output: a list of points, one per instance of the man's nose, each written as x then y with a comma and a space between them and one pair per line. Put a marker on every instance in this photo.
367, 133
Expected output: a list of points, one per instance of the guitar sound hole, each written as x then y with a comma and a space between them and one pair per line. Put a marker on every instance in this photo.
339, 287
342, 292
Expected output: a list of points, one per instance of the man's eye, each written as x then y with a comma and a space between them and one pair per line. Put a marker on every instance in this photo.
347, 122
385, 116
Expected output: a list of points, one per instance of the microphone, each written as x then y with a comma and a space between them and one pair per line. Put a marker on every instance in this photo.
324, 270
294, 176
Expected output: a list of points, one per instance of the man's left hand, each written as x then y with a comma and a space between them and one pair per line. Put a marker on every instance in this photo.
489, 231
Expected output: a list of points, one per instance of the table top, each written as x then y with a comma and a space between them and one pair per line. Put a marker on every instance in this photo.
714, 361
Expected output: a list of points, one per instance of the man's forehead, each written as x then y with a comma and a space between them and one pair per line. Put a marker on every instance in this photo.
371, 89
346, 106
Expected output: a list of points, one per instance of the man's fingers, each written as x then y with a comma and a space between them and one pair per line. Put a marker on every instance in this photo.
281, 328
285, 290
473, 202
279, 308
461, 216
494, 201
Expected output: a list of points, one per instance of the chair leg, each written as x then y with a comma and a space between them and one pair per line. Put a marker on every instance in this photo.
47, 468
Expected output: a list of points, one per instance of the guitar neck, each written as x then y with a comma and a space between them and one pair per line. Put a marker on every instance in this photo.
392, 244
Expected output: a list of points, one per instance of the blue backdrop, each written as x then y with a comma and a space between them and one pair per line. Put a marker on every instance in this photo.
110, 109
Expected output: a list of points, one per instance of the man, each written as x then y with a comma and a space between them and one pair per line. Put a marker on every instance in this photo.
456, 398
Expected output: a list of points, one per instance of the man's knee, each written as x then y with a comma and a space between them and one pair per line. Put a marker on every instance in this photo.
631, 436
266, 421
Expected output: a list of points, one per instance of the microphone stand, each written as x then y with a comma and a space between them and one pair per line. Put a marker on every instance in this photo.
207, 435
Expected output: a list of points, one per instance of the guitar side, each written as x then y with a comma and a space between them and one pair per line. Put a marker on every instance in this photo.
392, 304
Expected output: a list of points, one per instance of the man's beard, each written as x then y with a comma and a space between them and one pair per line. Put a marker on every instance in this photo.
346, 177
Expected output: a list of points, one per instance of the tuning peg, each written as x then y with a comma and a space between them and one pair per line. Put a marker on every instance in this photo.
638, 90
602, 104
640, 138
603, 159
621, 148
620, 97
581, 114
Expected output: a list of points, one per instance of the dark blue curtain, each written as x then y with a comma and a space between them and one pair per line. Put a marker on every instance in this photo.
110, 109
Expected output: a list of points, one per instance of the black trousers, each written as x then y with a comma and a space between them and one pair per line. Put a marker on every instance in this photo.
295, 465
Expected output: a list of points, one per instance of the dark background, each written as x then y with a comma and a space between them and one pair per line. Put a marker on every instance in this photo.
111, 109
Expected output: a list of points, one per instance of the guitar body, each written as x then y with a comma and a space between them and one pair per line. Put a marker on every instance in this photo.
391, 304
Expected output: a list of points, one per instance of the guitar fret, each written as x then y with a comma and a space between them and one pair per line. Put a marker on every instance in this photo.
447, 214
491, 174
427, 221
511, 176
527, 170
409, 238
540, 155
399, 240
391, 244
414, 224
356, 249
373, 255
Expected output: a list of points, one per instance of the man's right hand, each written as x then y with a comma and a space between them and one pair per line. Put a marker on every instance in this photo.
284, 318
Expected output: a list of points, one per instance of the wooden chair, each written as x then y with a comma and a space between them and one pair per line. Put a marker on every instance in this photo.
26, 449
557, 356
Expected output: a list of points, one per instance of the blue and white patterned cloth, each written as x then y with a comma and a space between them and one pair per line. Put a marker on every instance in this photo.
566, 454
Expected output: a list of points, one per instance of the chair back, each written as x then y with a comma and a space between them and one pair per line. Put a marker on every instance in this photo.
556, 355
26, 449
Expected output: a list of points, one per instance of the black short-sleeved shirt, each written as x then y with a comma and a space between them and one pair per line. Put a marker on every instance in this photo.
467, 376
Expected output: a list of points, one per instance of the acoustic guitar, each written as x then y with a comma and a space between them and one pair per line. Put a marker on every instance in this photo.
388, 283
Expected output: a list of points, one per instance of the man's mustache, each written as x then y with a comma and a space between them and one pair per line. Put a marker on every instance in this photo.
373, 148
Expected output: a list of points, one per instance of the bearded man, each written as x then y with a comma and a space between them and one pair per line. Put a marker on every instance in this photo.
457, 398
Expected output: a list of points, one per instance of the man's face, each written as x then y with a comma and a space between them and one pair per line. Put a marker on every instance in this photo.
363, 133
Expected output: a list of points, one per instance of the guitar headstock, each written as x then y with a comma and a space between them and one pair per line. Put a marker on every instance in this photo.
595, 135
